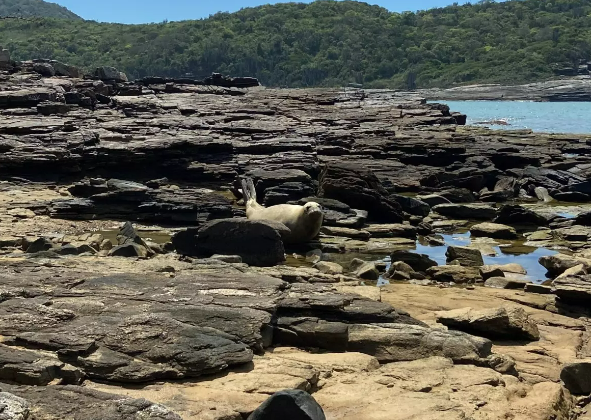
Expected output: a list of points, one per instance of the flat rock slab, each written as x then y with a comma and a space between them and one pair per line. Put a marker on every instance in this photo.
455, 273
464, 256
493, 230
139, 328
502, 323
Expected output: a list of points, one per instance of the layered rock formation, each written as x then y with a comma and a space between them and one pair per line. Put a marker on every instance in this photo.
81, 313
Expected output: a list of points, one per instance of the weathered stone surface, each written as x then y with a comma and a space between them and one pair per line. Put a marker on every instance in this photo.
501, 323
75, 402
493, 230
454, 273
418, 262
464, 256
573, 289
559, 263
13, 407
361, 189
289, 404
395, 343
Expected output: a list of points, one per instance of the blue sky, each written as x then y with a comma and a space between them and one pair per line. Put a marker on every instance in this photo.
142, 11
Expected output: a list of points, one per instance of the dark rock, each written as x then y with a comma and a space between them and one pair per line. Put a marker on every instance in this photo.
572, 197
360, 189
418, 262
584, 219
466, 211
489, 272
538, 288
53, 108
32, 368
515, 215
229, 236
501, 323
110, 74
289, 405
412, 205
41, 244
129, 250
576, 377
44, 69
457, 195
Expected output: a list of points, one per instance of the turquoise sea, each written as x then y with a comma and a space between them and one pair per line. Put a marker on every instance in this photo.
548, 117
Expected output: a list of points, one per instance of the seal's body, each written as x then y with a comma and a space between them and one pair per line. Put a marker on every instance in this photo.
303, 221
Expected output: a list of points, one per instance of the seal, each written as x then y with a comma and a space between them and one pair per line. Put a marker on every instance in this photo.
304, 222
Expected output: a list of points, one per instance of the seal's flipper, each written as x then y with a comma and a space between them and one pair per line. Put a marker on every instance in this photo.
248, 190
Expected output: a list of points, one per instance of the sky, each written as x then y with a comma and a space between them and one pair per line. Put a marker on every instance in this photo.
147, 11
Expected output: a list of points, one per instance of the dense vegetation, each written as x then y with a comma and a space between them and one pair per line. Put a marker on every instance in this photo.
329, 43
34, 8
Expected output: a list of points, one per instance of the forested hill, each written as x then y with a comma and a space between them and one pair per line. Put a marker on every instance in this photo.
330, 43
34, 8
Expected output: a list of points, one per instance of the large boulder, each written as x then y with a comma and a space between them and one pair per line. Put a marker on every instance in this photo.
110, 74
466, 211
401, 342
464, 256
557, 264
418, 262
573, 289
292, 404
493, 230
361, 189
577, 377
498, 323
44, 69
257, 242
515, 215
66, 70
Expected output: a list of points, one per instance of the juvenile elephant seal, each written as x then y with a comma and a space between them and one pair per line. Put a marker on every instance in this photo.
303, 221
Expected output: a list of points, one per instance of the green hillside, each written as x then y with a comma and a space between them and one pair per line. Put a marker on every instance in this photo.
329, 43
34, 8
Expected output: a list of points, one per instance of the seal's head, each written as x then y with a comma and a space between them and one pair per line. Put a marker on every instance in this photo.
313, 210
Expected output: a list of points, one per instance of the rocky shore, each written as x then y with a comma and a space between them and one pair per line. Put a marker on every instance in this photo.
133, 287
567, 89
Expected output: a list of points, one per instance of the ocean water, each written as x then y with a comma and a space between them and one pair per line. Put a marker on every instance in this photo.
547, 117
